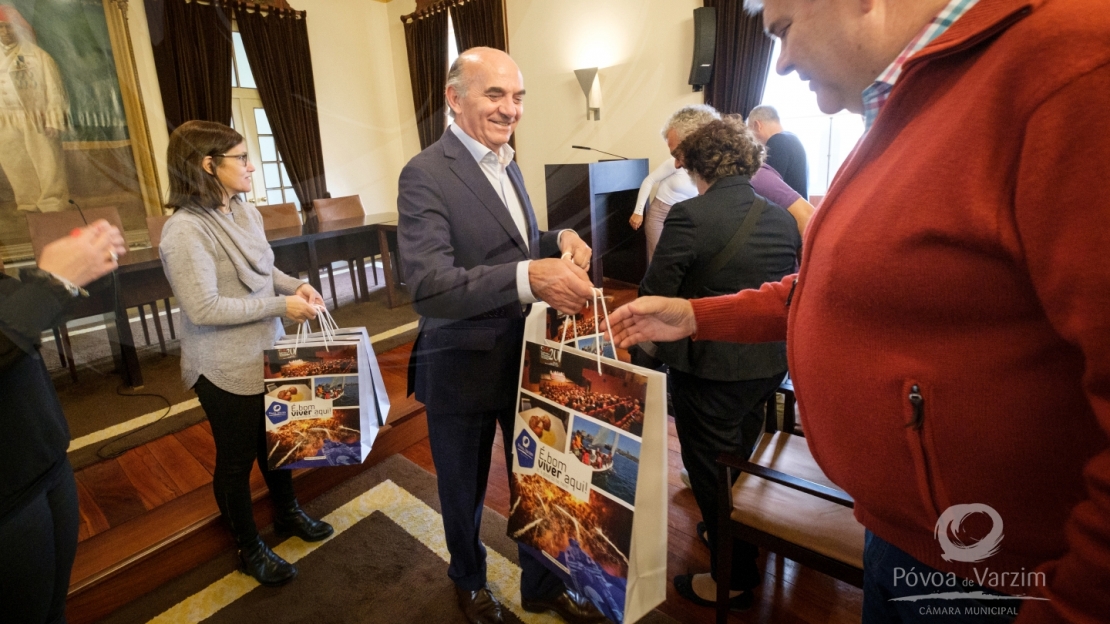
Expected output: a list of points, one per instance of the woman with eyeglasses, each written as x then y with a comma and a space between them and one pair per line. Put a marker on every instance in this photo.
221, 269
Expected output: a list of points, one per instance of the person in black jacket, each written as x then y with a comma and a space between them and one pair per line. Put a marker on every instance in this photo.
38, 495
717, 387
785, 152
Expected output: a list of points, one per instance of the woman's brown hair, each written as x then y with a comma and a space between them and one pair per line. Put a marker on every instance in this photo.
720, 149
190, 184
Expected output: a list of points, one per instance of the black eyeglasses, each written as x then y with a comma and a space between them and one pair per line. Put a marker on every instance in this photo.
243, 158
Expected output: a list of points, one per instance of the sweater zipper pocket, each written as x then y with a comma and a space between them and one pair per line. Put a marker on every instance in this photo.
916, 400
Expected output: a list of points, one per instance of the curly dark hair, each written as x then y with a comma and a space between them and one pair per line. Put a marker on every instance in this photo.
720, 149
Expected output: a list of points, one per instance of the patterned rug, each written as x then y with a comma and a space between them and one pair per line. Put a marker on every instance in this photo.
387, 562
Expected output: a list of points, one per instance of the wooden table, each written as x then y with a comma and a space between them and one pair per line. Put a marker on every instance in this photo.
387, 233
140, 280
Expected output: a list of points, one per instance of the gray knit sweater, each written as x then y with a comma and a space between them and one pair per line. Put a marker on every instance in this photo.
225, 326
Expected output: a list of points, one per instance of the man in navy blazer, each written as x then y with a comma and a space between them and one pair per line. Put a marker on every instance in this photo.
471, 254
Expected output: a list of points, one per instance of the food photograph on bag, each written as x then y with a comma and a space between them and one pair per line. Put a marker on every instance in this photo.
615, 396
546, 420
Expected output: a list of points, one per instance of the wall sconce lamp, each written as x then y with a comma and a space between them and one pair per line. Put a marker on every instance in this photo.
591, 87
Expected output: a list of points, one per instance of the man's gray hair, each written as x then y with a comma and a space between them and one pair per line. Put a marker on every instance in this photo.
753, 6
689, 118
455, 79
764, 114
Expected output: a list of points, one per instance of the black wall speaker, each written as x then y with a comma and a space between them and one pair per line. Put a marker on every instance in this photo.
705, 44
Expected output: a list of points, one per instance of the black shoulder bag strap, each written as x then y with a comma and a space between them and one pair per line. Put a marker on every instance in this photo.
731, 249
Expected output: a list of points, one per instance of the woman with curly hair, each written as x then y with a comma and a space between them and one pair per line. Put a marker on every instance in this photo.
673, 183
717, 387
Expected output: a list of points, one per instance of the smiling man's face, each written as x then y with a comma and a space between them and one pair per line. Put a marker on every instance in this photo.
493, 99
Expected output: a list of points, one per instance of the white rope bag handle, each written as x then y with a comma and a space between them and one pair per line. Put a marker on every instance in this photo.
599, 337
328, 328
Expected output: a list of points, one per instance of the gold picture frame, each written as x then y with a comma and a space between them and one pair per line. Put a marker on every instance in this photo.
95, 134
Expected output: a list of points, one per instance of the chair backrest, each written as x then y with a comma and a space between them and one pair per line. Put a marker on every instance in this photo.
154, 227
337, 208
277, 216
47, 227
816, 200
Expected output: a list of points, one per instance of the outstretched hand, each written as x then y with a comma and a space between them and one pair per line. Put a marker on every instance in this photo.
661, 319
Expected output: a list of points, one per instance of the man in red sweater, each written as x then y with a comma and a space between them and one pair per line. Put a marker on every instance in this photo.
949, 330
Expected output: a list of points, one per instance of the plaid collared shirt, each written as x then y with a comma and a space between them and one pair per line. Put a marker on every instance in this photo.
875, 96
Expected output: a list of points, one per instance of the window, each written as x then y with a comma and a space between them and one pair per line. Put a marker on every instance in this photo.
828, 139
271, 183
452, 54
276, 179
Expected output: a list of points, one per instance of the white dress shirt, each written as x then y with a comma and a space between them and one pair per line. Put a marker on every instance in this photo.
496, 168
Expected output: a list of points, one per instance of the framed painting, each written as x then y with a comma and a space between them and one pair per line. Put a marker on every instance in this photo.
73, 125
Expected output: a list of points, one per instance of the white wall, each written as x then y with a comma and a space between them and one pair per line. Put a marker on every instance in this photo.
643, 49
360, 129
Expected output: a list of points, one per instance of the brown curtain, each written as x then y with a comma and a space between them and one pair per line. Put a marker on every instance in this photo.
277, 50
426, 42
480, 23
192, 56
742, 60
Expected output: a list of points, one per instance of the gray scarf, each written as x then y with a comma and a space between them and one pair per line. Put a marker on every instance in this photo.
245, 246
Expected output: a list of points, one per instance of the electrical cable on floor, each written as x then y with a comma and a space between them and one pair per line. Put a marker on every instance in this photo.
101, 452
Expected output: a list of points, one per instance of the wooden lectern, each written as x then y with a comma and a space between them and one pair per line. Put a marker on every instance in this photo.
596, 200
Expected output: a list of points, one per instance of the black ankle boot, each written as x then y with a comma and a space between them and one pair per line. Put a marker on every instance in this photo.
257, 560
292, 520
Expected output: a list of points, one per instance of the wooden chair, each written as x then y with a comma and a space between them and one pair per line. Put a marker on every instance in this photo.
784, 503
277, 216
154, 231
816, 200
47, 227
330, 250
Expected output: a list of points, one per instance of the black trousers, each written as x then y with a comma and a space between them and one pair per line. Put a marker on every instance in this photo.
37, 547
714, 417
462, 446
240, 434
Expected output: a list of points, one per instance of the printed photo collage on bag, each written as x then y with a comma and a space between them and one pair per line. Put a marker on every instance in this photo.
575, 490
312, 406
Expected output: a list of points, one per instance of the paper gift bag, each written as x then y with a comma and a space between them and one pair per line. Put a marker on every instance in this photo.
589, 482
324, 399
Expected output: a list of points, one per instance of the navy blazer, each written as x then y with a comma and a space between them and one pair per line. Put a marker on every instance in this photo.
459, 249
695, 231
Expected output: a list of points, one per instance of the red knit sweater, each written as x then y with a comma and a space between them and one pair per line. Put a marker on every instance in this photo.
963, 255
